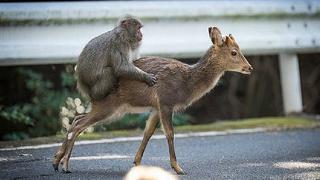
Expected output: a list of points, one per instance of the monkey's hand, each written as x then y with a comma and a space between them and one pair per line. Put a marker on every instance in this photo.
151, 79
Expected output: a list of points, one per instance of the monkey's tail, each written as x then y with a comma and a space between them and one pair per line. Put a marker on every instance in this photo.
83, 89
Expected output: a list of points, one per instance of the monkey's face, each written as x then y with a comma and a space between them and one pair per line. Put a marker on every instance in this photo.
136, 30
133, 26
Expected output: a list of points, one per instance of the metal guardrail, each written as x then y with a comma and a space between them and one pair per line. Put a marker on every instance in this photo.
156, 9
54, 33
45, 33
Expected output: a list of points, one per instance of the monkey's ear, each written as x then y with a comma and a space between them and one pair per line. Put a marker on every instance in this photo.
124, 23
215, 36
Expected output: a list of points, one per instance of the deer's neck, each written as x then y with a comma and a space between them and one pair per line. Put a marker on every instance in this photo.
205, 74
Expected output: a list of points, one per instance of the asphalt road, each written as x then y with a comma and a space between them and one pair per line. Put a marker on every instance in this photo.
269, 155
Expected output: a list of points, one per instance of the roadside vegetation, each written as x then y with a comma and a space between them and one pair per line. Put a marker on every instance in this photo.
44, 105
32, 100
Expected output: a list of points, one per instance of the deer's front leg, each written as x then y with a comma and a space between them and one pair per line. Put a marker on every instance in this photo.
148, 132
166, 120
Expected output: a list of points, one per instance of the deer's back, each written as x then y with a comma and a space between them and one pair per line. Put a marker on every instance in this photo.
160, 66
172, 76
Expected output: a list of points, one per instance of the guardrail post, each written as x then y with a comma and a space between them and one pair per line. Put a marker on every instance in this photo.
290, 82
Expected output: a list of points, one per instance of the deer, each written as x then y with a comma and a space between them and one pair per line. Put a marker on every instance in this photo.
178, 86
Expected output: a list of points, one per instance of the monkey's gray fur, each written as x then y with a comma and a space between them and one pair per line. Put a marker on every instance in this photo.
109, 56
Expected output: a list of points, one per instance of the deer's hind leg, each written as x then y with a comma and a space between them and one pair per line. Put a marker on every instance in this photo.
148, 132
64, 152
60, 154
77, 127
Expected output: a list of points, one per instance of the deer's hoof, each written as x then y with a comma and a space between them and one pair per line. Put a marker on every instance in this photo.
55, 167
136, 163
65, 171
178, 170
181, 172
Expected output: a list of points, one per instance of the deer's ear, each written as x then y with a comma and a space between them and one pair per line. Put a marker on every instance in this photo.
215, 36
230, 35
229, 40
210, 30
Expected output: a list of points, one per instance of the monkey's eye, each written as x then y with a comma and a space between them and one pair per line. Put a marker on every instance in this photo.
233, 52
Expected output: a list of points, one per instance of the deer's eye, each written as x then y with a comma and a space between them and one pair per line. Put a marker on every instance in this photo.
233, 53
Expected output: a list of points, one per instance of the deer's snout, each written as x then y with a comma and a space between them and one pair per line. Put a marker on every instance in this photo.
247, 69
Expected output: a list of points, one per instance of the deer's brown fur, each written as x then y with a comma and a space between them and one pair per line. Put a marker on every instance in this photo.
178, 86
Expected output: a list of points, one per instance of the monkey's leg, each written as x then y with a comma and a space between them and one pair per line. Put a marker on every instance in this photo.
148, 132
166, 120
103, 85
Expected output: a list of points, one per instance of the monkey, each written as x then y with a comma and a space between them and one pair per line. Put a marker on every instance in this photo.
110, 56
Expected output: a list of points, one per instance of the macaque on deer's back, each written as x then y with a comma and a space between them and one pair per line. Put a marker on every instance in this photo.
110, 56
178, 86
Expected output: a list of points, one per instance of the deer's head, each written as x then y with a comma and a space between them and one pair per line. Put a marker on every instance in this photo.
228, 53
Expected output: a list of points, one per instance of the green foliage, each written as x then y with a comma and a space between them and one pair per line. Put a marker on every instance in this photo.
67, 80
17, 114
35, 82
129, 121
15, 136
39, 116
181, 119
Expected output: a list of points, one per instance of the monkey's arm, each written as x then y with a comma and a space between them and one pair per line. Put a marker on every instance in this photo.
123, 68
129, 71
